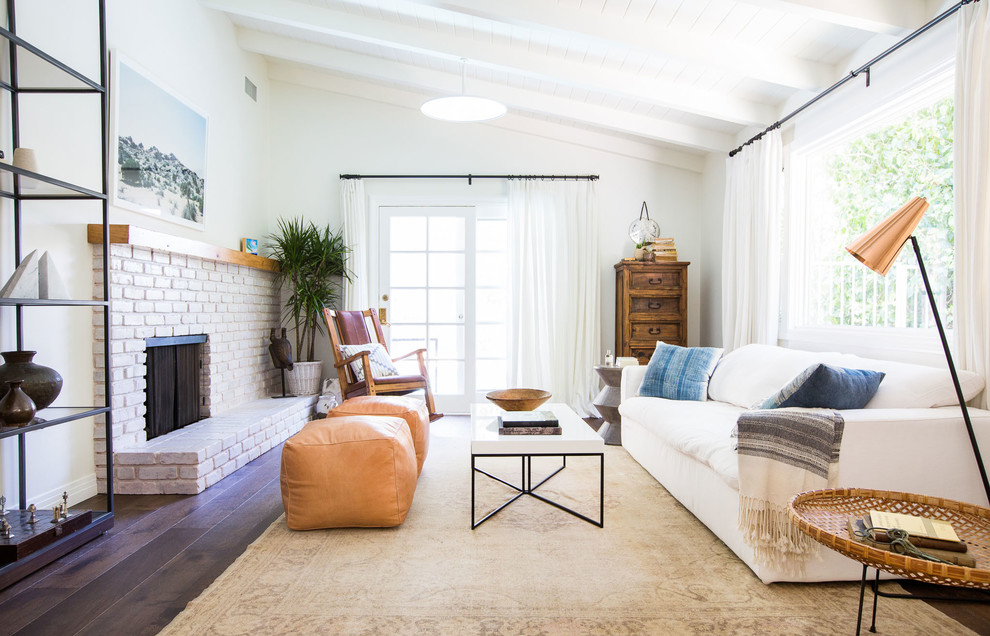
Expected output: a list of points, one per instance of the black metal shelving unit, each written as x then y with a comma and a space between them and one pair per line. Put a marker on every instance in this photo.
19, 185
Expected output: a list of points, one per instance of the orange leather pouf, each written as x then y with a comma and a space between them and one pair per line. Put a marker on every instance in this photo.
413, 411
346, 472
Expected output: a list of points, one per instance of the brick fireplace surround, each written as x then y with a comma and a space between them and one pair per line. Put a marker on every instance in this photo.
164, 286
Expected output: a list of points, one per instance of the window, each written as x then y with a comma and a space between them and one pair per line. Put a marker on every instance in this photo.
843, 186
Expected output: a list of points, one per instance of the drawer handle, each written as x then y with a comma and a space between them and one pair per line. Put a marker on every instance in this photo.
654, 305
656, 281
654, 331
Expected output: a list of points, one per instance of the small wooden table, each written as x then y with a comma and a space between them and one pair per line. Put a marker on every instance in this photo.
824, 515
607, 403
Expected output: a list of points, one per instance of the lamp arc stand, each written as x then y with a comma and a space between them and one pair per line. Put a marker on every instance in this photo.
952, 369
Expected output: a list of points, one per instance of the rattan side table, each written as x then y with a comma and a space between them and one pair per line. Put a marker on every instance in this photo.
824, 515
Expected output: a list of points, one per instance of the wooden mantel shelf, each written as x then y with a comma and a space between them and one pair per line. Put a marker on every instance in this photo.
133, 235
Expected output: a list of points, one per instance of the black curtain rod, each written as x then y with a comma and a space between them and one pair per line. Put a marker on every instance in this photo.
862, 69
471, 177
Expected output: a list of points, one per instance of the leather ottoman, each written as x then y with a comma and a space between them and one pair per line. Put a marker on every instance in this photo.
357, 471
413, 411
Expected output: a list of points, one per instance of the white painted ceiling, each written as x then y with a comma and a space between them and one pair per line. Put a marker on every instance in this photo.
646, 76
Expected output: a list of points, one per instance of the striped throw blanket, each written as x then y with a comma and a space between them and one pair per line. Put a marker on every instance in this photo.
783, 452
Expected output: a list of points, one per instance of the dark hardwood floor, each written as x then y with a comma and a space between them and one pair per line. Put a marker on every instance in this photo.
162, 552
165, 550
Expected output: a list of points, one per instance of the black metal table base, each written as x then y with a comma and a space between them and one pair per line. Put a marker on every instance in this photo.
875, 585
527, 488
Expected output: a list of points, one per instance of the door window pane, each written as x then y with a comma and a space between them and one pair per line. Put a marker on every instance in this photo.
407, 233
491, 375
446, 234
491, 269
490, 305
408, 270
447, 376
447, 305
447, 341
490, 341
447, 270
408, 305
406, 338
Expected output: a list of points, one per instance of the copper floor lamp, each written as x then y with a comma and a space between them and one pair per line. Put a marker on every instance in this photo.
877, 249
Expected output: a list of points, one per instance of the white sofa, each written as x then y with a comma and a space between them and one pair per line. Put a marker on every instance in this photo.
910, 437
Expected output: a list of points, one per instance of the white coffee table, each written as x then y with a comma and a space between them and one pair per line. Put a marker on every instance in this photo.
576, 440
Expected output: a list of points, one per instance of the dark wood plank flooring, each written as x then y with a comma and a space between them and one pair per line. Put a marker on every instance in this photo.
165, 550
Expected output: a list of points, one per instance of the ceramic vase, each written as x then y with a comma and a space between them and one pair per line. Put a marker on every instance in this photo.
41, 383
16, 408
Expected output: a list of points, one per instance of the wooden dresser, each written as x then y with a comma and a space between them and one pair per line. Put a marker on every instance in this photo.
650, 305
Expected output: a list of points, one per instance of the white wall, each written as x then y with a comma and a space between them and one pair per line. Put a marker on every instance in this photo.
712, 211
189, 50
318, 134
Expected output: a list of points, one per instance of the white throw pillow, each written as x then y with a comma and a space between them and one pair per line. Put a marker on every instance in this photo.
381, 365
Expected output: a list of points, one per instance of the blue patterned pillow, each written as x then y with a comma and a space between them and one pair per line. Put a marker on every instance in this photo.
826, 387
679, 373
381, 365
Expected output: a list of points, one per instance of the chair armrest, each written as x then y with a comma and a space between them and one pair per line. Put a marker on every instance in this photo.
411, 353
632, 377
346, 361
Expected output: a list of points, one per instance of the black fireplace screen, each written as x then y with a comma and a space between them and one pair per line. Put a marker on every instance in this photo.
173, 378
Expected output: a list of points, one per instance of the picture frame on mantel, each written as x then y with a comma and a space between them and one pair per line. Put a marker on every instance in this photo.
159, 153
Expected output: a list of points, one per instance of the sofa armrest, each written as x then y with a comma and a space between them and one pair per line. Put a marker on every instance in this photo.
632, 377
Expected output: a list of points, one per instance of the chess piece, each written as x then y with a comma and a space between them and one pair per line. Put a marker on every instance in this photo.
32, 509
5, 532
65, 505
56, 513
3, 505
280, 350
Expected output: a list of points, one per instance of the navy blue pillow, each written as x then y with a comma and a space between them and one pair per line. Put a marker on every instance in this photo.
679, 373
826, 387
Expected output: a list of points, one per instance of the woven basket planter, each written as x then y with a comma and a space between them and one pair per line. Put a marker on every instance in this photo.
304, 378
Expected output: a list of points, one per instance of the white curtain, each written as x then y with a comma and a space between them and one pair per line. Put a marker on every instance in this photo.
352, 204
751, 244
972, 191
554, 305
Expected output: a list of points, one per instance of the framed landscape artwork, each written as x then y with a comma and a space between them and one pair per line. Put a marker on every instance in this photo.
160, 149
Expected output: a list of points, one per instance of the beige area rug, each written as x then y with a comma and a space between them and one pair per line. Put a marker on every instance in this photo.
532, 569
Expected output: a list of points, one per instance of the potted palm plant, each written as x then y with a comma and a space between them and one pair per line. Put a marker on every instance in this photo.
311, 269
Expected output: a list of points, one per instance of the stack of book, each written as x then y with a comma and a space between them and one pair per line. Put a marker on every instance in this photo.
933, 537
528, 423
663, 249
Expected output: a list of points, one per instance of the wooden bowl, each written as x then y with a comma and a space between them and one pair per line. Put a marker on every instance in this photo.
518, 399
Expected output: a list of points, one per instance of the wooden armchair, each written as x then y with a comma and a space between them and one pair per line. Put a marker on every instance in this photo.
351, 328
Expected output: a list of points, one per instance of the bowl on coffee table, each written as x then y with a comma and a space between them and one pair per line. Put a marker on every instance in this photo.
518, 399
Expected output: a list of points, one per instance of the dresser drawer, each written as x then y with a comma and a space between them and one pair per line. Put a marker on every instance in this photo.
653, 331
655, 280
667, 305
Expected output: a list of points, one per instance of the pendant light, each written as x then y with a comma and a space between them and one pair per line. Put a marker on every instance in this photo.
463, 108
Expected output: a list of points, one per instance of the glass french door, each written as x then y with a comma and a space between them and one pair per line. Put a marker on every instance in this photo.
441, 276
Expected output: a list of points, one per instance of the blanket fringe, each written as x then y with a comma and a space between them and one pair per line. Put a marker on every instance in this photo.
776, 541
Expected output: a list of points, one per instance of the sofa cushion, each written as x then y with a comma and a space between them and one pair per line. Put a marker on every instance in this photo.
702, 430
750, 374
679, 373
827, 387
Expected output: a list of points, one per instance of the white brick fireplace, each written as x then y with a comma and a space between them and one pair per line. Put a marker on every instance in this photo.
161, 287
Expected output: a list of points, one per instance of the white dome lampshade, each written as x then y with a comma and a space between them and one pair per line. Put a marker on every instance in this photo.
463, 108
